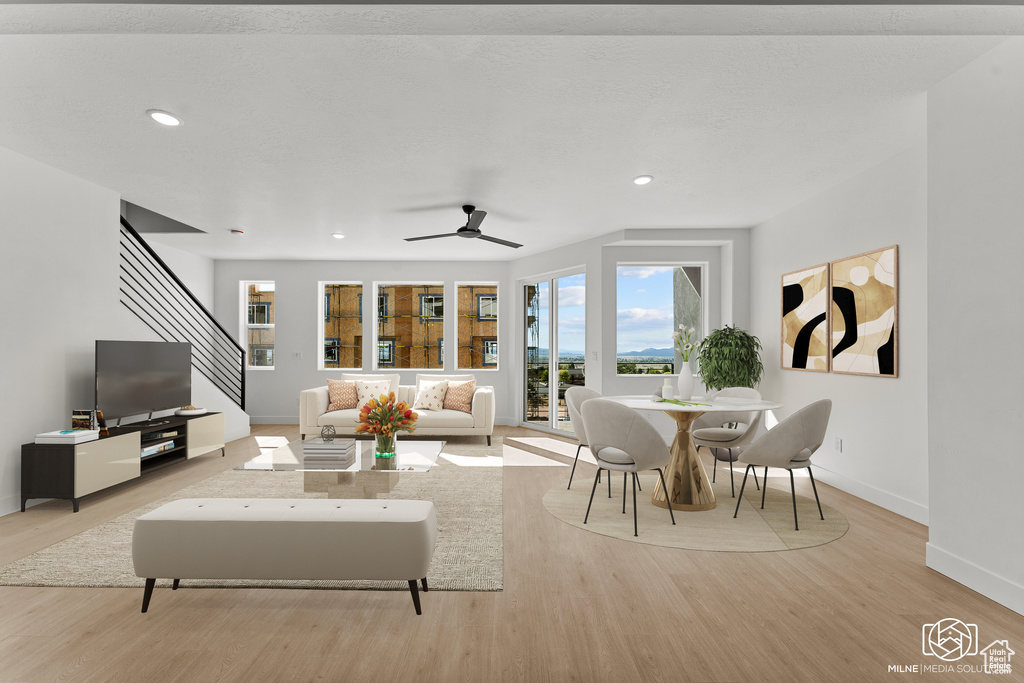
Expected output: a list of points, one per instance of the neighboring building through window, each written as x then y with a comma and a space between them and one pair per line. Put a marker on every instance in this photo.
258, 323
342, 332
410, 325
651, 302
477, 317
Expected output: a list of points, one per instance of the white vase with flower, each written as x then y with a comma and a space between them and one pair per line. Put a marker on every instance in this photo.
684, 343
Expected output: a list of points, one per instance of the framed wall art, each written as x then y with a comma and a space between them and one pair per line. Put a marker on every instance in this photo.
805, 305
863, 291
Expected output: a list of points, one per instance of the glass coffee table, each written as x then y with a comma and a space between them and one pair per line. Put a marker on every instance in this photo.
361, 479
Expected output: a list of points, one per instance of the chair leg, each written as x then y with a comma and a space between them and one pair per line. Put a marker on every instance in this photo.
609, 483
574, 465
815, 492
623, 493
742, 486
634, 503
714, 465
147, 593
414, 589
755, 480
792, 487
596, 479
732, 475
765, 489
668, 503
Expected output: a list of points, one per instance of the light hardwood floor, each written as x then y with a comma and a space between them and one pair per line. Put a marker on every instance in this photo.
576, 607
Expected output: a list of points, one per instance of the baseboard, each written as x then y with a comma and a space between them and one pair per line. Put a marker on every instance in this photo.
273, 419
9, 504
901, 506
992, 586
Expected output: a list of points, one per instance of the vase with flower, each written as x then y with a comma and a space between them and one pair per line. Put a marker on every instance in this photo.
384, 417
683, 340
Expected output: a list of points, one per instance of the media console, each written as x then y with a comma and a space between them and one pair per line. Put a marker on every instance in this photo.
71, 471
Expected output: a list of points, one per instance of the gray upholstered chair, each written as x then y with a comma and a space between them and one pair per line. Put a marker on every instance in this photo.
574, 398
623, 441
722, 432
789, 445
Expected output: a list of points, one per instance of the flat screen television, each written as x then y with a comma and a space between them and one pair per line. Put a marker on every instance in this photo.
139, 377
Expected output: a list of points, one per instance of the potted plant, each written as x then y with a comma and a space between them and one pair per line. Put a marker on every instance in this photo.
730, 357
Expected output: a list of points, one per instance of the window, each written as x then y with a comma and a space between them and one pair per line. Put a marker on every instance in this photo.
257, 323
386, 352
431, 306
486, 306
341, 332
490, 353
410, 325
477, 321
651, 302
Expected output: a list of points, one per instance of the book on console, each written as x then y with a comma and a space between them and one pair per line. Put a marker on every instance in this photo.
68, 436
325, 463
324, 455
336, 443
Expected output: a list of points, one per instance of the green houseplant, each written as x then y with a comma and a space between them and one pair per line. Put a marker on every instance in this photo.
730, 357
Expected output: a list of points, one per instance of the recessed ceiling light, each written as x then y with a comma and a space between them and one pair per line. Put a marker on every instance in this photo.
643, 179
337, 236
163, 117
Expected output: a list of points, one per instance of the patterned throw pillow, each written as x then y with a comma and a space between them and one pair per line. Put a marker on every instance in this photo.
460, 396
430, 395
367, 390
343, 394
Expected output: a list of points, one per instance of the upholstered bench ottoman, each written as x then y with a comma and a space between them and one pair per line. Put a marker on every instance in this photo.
304, 539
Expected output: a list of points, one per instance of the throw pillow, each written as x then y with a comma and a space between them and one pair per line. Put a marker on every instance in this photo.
367, 390
430, 395
360, 377
342, 394
460, 396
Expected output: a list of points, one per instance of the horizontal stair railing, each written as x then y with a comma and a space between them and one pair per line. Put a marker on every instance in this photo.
159, 299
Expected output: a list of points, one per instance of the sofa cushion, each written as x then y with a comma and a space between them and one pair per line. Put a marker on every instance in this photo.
340, 418
430, 395
443, 419
393, 380
450, 378
342, 394
369, 389
460, 396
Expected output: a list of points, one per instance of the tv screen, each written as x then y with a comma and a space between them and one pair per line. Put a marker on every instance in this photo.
137, 377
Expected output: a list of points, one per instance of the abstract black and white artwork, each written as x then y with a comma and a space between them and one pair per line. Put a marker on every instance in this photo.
864, 297
805, 319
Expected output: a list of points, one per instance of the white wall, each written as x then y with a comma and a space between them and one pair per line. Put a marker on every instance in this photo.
272, 396
60, 235
881, 421
976, 326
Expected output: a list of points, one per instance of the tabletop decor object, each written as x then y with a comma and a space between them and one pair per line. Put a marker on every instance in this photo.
683, 340
384, 418
730, 357
328, 433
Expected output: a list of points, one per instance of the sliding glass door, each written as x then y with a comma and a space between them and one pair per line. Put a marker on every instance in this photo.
555, 347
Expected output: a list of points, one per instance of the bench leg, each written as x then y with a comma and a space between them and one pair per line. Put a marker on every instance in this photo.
488, 439
414, 589
150, 583
424, 581
175, 586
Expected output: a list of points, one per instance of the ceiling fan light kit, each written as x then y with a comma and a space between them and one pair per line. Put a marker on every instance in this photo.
471, 230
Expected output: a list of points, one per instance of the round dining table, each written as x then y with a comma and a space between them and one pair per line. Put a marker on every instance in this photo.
685, 478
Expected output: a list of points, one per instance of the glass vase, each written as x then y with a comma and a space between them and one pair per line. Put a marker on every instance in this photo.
386, 452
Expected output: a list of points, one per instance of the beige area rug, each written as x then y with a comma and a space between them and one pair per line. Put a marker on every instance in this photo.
468, 555
753, 530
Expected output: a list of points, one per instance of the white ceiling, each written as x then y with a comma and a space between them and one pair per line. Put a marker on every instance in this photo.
379, 121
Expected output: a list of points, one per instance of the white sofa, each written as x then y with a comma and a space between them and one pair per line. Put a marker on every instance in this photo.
313, 415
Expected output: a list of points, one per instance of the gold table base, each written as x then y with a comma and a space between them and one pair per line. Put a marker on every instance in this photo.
687, 482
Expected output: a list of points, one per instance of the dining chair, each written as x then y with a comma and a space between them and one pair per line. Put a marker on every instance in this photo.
623, 441
789, 445
721, 432
574, 398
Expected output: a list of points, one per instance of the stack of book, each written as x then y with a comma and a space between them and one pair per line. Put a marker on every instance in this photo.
157, 448
68, 436
320, 454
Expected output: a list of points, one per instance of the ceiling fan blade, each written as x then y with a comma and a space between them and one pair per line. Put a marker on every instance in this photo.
429, 237
499, 241
475, 219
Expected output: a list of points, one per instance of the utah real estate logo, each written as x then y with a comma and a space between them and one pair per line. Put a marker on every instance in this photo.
951, 640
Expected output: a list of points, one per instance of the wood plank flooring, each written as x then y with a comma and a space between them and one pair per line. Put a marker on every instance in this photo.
576, 607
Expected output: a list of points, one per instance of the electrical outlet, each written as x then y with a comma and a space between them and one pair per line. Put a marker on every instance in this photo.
297, 355
839, 445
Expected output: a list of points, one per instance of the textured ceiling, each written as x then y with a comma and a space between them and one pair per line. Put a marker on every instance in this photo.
291, 134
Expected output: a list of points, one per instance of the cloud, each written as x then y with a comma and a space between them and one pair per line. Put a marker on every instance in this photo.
645, 317
641, 291
575, 295
642, 272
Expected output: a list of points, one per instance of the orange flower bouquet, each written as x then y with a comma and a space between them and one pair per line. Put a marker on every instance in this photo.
385, 417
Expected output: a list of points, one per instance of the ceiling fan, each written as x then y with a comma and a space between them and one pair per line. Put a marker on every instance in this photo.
470, 230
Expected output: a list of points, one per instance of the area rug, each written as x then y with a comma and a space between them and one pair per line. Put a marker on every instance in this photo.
753, 530
468, 555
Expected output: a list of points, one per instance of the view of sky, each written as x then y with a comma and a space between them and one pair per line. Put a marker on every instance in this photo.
643, 308
571, 315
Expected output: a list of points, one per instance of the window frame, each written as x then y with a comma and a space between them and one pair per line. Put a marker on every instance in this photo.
322, 319
388, 341
479, 306
245, 326
495, 319
483, 351
384, 297
423, 300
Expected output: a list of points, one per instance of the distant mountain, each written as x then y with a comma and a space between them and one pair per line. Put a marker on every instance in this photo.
651, 353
